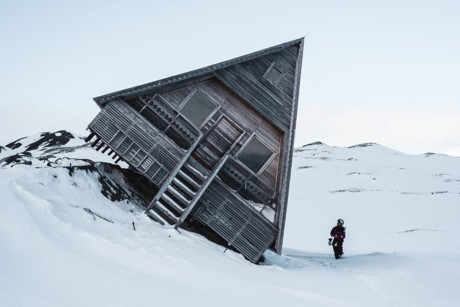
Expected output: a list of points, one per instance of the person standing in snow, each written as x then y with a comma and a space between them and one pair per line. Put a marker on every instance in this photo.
338, 235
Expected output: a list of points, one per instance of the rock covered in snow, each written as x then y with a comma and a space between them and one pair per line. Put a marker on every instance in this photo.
63, 149
50, 148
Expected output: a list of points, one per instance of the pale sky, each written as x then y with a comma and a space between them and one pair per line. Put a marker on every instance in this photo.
373, 71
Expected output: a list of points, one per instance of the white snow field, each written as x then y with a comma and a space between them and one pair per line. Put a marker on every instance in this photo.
57, 247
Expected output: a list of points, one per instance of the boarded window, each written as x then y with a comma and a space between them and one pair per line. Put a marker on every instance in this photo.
273, 74
198, 108
255, 154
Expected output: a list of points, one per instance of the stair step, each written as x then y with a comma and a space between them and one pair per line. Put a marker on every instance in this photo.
194, 171
184, 187
164, 212
196, 178
168, 200
175, 199
178, 195
189, 180
154, 216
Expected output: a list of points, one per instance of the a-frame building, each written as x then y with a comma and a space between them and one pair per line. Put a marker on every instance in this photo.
215, 143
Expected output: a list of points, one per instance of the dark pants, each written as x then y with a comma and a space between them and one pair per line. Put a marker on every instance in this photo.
337, 246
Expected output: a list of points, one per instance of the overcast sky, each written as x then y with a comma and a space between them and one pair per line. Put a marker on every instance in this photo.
373, 71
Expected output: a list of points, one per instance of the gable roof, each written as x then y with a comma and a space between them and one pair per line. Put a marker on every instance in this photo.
151, 86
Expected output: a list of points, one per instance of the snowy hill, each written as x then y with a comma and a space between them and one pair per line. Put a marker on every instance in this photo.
382, 194
67, 237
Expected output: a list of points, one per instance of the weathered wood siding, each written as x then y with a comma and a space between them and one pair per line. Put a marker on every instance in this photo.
137, 141
145, 126
230, 216
247, 80
217, 142
241, 113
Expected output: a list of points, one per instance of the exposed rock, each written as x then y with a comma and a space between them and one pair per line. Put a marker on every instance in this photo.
48, 139
314, 144
363, 145
19, 158
15, 144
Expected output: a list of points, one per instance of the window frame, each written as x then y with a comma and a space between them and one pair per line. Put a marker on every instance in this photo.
187, 99
266, 144
281, 76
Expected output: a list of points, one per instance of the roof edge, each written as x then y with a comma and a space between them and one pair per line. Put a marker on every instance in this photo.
290, 151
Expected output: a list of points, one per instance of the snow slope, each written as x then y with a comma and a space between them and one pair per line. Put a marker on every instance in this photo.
63, 243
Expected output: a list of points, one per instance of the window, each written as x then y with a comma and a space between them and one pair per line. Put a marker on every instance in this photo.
198, 108
153, 118
255, 154
136, 104
273, 74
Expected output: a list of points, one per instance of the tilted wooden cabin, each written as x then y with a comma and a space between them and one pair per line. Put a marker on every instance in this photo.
216, 143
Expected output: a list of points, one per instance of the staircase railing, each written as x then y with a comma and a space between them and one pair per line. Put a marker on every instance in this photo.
200, 192
174, 173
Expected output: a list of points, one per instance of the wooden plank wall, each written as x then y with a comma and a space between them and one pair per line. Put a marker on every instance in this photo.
273, 101
127, 133
246, 97
243, 228
241, 113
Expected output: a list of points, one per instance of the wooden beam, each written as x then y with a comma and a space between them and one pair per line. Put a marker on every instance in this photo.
100, 146
173, 174
197, 196
105, 149
96, 141
90, 136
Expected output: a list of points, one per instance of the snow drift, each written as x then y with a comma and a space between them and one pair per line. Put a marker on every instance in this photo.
67, 235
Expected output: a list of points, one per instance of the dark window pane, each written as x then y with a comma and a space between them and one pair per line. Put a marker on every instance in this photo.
255, 154
135, 104
156, 120
198, 108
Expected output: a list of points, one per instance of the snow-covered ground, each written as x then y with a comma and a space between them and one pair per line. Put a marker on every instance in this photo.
63, 243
